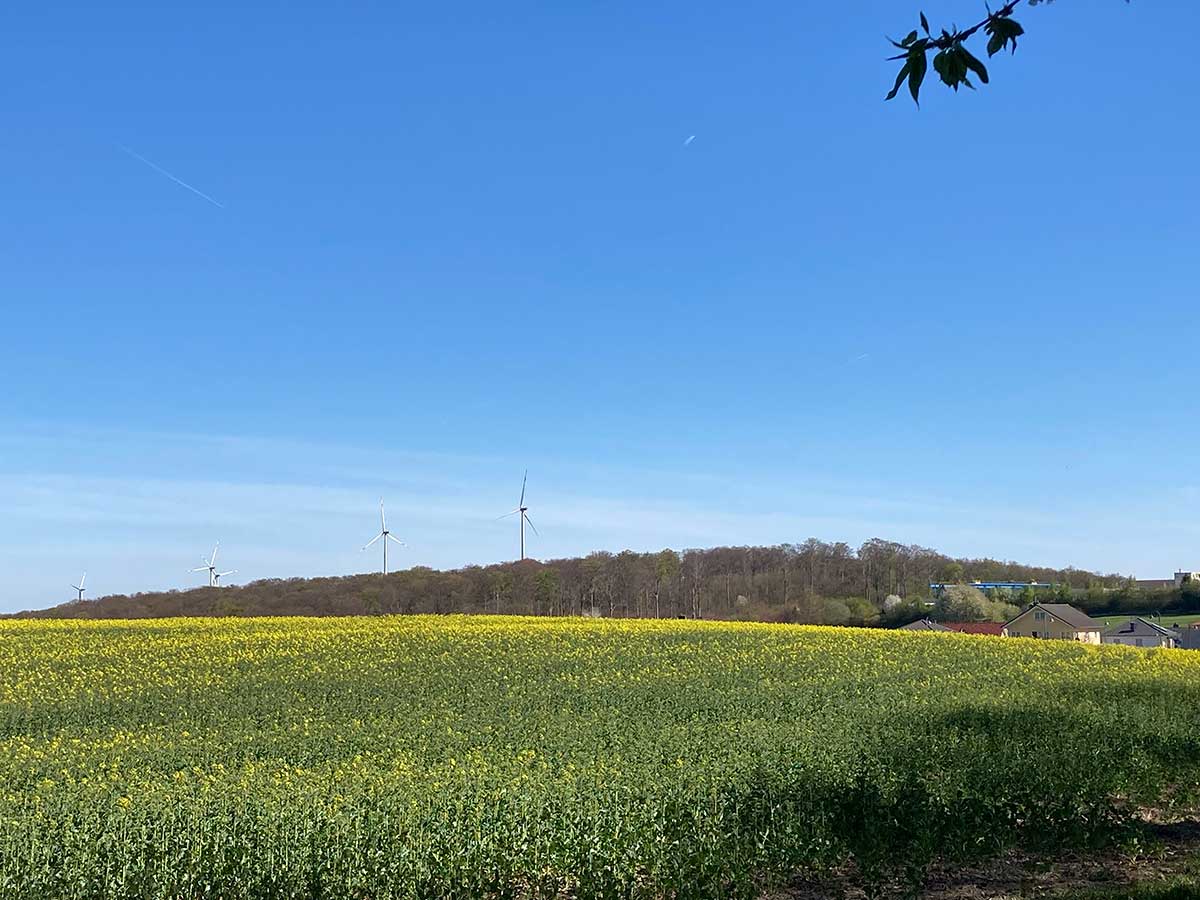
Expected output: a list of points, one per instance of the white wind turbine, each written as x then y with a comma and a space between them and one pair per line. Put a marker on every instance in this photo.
210, 566
523, 511
79, 587
385, 536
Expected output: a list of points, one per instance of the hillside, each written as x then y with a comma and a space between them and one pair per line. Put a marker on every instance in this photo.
814, 582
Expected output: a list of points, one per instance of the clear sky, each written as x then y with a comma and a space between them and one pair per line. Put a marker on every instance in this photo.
427, 245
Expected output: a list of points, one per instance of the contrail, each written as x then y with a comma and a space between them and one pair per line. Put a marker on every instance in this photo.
178, 181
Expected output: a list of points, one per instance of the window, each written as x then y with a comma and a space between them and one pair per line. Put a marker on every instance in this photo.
1138, 641
1039, 616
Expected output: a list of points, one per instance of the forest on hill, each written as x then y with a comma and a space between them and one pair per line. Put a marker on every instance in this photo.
880, 582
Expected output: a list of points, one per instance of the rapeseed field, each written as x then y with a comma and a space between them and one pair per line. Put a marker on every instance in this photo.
461, 757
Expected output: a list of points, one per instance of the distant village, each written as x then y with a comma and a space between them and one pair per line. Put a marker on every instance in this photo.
1064, 622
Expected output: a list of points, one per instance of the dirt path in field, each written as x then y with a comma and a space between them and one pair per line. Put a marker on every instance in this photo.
1174, 850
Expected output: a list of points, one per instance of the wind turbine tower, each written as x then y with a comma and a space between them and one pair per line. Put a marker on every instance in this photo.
385, 536
210, 566
523, 511
79, 587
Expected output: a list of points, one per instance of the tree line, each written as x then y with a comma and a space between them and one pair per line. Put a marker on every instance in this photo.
814, 582
1129, 598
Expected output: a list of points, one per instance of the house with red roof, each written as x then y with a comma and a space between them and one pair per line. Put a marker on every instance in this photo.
993, 628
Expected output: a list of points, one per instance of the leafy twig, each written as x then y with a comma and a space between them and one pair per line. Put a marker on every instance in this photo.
952, 61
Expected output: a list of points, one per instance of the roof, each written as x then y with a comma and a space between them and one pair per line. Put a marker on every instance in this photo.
996, 628
923, 625
1076, 618
1139, 627
1064, 612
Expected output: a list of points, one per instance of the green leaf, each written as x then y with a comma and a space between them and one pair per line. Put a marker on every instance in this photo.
974, 64
940, 65
925, 23
1015, 30
1003, 30
899, 81
916, 74
907, 42
960, 65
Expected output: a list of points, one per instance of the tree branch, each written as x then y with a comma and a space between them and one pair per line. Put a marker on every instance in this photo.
953, 62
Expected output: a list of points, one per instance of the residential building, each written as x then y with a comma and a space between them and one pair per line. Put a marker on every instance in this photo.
1187, 637
1139, 632
923, 625
1167, 584
992, 628
1055, 621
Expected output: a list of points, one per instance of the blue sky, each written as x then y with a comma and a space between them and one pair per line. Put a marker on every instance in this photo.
457, 240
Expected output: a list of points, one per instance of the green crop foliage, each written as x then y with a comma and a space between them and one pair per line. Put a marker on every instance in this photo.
456, 757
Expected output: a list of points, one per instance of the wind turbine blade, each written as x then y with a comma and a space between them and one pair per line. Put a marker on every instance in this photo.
223, 574
529, 522
507, 514
382, 520
202, 569
373, 540
213, 561
397, 540
523, 480
82, 581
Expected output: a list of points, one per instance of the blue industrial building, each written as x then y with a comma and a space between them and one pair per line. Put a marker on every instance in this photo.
1015, 586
